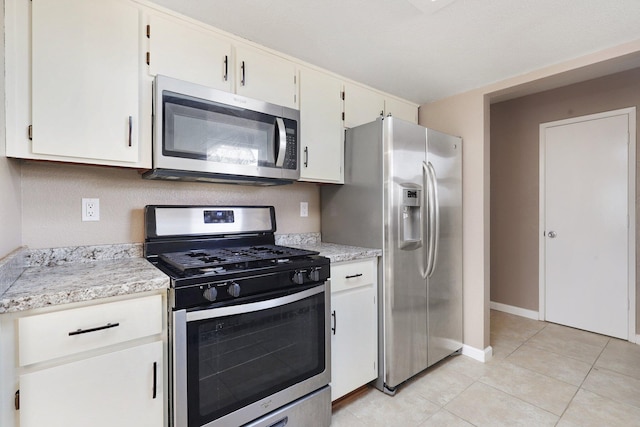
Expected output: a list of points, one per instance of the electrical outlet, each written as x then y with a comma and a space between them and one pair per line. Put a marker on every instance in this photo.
91, 209
304, 209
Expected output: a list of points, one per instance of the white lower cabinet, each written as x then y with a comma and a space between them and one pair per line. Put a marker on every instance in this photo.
354, 328
122, 388
99, 365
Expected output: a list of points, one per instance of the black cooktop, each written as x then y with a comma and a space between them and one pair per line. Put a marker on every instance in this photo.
231, 258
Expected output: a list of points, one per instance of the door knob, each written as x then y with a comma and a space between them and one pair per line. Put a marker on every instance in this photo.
551, 234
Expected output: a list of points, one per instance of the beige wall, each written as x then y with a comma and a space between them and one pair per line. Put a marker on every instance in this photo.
10, 206
515, 175
52, 193
467, 115
464, 116
10, 203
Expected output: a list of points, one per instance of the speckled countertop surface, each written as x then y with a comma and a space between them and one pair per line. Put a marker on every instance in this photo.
339, 253
66, 275
45, 277
333, 251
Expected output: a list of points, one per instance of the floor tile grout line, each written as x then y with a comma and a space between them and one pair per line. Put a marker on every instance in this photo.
520, 399
578, 388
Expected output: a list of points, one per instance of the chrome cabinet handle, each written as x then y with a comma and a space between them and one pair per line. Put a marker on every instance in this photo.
335, 322
225, 77
242, 79
353, 276
306, 157
99, 328
552, 234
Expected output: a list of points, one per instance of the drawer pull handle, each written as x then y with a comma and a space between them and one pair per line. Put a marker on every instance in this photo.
353, 276
99, 328
155, 379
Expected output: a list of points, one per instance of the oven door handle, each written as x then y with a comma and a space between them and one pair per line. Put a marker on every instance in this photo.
254, 306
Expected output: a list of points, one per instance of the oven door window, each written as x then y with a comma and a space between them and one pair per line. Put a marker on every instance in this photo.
195, 129
239, 359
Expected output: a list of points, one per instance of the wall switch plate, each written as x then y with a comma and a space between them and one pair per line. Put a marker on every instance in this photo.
304, 209
91, 209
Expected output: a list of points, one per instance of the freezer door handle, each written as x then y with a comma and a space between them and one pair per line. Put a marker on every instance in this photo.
425, 222
434, 218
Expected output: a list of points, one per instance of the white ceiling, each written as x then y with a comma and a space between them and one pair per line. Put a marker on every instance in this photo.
424, 50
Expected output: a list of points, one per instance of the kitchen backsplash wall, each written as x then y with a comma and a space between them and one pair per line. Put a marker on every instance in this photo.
52, 194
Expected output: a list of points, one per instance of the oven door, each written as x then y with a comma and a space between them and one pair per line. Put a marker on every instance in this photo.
233, 364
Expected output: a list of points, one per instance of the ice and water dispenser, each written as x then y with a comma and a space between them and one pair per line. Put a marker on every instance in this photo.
410, 233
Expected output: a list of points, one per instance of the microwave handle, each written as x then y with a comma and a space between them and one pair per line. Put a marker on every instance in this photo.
281, 145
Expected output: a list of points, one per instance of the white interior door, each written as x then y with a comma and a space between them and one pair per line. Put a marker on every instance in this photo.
586, 236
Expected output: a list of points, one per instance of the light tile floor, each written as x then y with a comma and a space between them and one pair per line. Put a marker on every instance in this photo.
541, 374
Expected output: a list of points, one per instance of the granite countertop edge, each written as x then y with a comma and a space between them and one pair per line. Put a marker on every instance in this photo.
37, 278
50, 277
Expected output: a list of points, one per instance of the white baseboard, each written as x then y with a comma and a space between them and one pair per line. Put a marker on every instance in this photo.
523, 312
477, 354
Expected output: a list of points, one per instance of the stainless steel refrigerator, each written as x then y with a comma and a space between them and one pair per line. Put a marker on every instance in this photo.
403, 194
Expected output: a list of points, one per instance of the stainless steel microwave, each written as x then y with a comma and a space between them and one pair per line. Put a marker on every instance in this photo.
204, 134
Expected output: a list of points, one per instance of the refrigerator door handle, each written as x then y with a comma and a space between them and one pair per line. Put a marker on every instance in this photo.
434, 220
425, 221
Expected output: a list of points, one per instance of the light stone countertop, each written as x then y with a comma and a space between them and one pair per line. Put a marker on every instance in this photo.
45, 286
46, 277
340, 253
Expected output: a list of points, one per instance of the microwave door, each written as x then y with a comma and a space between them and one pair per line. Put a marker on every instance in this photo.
219, 139
202, 133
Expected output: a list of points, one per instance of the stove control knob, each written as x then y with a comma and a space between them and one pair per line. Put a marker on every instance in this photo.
314, 275
210, 294
298, 277
233, 289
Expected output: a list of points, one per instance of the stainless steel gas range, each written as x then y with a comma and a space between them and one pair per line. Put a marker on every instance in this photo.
248, 319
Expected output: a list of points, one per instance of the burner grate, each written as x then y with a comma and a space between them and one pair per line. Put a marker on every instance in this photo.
245, 258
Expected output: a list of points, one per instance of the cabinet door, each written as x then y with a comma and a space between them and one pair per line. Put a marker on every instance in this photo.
85, 82
187, 52
266, 77
361, 105
354, 339
401, 110
321, 131
115, 389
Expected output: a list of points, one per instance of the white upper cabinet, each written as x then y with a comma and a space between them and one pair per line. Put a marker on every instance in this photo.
361, 105
85, 81
321, 130
401, 109
78, 83
266, 77
188, 52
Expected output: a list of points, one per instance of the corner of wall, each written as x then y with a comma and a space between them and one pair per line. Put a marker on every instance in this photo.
10, 179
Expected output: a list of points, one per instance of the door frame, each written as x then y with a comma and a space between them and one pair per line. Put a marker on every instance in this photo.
631, 205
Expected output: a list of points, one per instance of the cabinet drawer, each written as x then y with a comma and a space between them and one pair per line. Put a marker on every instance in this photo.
61, 333
350, 274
